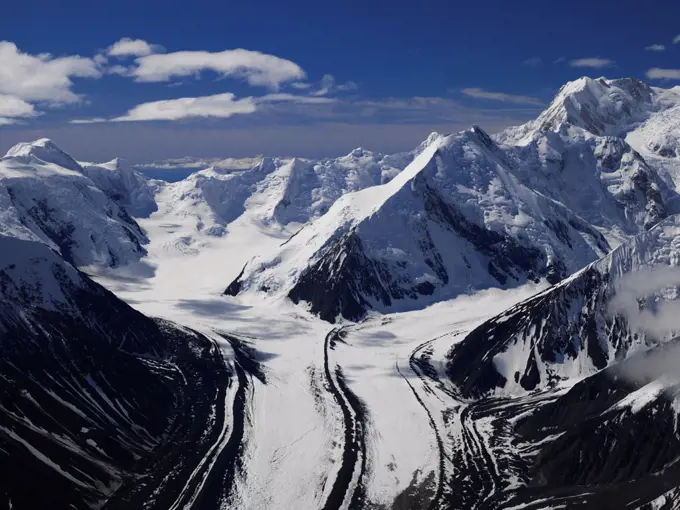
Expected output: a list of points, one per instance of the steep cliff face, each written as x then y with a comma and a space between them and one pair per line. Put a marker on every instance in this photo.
91, 388
568, 331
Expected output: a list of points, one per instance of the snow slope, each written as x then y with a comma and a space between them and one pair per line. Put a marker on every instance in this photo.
124, 185
600, 106
456, 220
658, 141
569, 331
277, 193
45, 192
578, 152
91, 388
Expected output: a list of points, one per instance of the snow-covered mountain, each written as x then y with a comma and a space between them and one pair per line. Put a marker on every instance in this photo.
486, 399
124, 185
591, 150
576, 151
579, 385
600, 106
548, 198
455, 220
46, 195
568, 331
281, 191
92, 390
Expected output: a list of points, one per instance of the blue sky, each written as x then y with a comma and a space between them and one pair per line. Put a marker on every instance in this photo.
162, 80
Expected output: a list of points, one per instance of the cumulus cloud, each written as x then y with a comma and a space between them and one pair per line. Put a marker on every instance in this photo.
127, 47
328, 85
655, 47
592, 62
533, 62
676, 39
259, 69
657, 73
119, 70
478, 93
11, 106
42, 77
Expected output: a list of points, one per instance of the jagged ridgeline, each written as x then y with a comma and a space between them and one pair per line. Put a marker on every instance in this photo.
471, 212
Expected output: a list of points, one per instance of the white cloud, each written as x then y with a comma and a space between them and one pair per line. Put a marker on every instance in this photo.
593, 62
533, 62
119, 70
655, 47
676, 39
11, 106
94, 120
663, 74
328, 85
41, 77
292, 98
100, 59
127, 47
559, 60
219, 105
644, 283
300, 85
259, 69
478, 93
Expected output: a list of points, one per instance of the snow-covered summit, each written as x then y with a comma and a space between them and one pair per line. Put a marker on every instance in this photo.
583, 151
600, 106
46, 196
44, 150
454, 220
124, 185
279, 193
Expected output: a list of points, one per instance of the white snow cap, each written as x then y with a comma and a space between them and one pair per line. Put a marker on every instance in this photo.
45, 150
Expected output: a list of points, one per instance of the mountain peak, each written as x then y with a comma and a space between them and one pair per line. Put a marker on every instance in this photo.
600, 106
25, 148
45, 150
